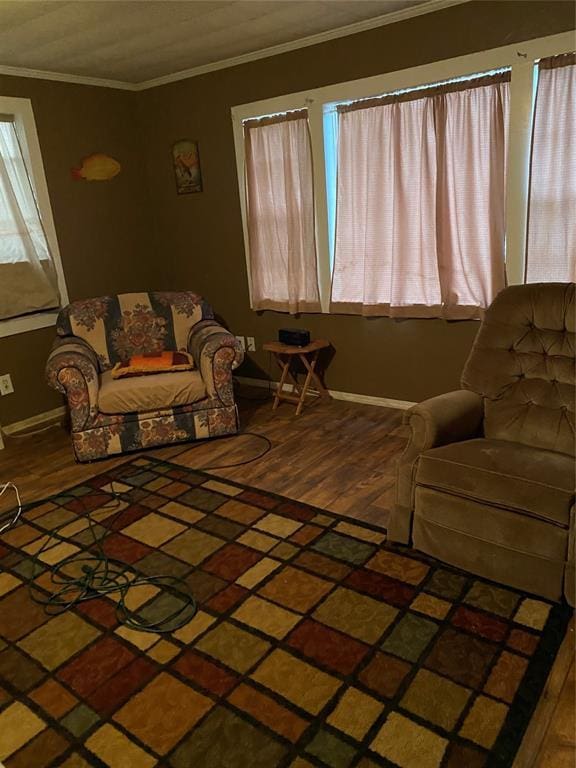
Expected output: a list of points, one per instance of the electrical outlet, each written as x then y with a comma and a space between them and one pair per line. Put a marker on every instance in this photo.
250, 344
242, 341
6, 387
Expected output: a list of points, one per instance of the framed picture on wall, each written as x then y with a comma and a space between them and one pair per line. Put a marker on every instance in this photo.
186, 159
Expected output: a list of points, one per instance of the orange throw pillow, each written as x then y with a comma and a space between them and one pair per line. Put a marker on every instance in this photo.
155, 362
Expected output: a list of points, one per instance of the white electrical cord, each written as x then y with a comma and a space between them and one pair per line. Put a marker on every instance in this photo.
11, 523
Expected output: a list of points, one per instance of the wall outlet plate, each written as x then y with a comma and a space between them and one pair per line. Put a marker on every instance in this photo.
6, 386
242, 341
250, 344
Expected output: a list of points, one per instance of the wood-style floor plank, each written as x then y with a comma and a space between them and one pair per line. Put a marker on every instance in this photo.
550, 740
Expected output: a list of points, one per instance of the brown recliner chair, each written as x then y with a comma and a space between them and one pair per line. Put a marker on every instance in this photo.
487, 480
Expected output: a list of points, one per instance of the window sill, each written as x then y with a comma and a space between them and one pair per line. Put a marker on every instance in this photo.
15, 325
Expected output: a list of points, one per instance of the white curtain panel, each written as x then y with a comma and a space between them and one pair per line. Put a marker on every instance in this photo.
421, 202
281, 213
551, 242
28, 280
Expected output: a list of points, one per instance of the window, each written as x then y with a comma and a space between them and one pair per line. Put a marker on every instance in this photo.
281, 213
420, 201
551, 250
31, 280
419, 198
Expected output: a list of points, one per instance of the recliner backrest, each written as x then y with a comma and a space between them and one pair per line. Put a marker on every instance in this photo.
522, 364
117, 327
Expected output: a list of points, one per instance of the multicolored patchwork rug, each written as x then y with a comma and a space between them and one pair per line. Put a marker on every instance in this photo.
314, 644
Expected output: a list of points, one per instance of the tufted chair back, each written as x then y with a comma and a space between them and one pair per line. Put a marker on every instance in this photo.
522, 364
117, 327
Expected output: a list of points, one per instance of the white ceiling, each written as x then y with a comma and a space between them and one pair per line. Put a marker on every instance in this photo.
135, 41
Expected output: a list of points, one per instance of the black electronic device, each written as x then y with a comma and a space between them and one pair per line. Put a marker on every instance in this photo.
294, 337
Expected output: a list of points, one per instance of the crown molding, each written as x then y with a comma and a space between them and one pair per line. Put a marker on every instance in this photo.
428, 6
61, 77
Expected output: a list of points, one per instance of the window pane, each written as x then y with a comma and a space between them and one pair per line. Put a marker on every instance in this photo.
27, 276
551, 243
420, 203
281, 214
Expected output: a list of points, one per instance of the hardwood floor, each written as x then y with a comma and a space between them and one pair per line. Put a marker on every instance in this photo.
550, 741
336, 455
558, 746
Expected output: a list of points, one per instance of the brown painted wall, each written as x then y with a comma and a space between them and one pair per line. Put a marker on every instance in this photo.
135, 233
201, 234
103, 228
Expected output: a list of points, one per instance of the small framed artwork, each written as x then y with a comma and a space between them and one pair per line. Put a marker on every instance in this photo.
186, 159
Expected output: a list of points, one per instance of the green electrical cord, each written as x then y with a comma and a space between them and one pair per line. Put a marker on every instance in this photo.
82, 577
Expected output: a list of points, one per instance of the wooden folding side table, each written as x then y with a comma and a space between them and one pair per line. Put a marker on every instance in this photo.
285, 355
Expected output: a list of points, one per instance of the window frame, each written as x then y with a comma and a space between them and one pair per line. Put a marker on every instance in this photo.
25, 126
522, 59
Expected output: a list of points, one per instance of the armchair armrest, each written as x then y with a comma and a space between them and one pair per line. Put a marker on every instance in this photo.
444, 419
216, 353
72, 369
447, 418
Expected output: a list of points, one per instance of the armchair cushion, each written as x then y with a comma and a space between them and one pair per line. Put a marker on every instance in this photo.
510, 475
160, 362
139, 394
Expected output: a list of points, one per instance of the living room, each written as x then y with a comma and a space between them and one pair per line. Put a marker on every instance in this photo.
347, 228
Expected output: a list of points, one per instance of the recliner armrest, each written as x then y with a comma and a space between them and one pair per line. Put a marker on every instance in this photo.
438, 421
216, 353
72, 369
445, 419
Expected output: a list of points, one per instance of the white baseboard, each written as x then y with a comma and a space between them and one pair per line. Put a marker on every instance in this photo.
353, 397
383, 402
40, 420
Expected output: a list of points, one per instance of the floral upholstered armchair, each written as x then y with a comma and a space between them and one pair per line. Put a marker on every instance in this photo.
111, 416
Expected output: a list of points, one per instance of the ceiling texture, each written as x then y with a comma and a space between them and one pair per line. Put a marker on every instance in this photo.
136, 41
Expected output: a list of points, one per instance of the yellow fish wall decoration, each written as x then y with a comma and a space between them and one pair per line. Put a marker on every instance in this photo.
97, 167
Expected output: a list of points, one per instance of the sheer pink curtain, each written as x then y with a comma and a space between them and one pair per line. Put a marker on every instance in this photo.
551, 245
281, 213
420, 202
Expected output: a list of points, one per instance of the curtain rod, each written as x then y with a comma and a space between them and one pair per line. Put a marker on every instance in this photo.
428, 91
